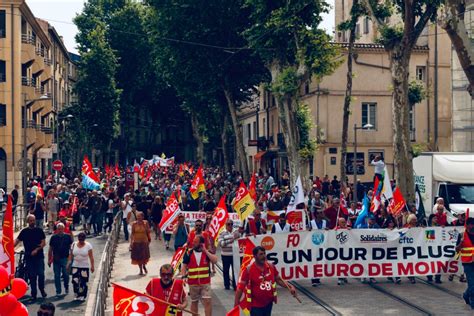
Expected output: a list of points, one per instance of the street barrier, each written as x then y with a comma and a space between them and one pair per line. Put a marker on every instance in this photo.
105, 268
19, 216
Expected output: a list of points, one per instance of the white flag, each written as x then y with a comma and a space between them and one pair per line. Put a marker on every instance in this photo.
298, 194
386, 192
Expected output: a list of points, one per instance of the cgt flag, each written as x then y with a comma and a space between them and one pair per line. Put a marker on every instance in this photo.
177, 259
253, 187
169, 214
218, 221
243, 203
130, 302
7, 250
397, 204
198, 184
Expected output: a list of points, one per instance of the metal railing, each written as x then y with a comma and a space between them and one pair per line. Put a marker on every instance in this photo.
28, 39
19, 215
105, 267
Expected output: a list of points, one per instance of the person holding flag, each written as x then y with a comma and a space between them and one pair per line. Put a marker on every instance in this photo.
167, 289
259, 280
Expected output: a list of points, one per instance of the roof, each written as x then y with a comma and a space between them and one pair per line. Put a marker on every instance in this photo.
75, 58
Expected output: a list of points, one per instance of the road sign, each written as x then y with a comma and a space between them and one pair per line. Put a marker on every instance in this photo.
57, 165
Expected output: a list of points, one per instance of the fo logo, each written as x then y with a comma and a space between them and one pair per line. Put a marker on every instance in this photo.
268, 243
317, 238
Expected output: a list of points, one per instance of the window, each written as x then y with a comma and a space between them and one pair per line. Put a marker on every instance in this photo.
3, 71
3, 115
369, 114
264, 127
357, 30
3, 24
366, 25
255, 130
249, 132
420, 73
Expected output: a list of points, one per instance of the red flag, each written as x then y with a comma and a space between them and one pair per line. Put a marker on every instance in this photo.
247, 259
130, 302
75, 201
376, 201
40, 190
397, 203
219, 219
7, 251
234, 311
177, 259
169, 214
88, 171
253, 187
198, 184
343, 204
117, 171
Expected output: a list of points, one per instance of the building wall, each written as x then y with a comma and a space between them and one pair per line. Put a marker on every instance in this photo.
27, 50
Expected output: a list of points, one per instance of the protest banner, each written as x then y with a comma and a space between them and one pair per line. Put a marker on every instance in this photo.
191, 217
360, 253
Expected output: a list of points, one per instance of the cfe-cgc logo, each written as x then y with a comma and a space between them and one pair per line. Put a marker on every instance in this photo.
317, 238
404, 239
376, 238
342, 237
268, 243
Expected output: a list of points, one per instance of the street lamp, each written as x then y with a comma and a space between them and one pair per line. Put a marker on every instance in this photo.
59, 120
354, 160
24, 158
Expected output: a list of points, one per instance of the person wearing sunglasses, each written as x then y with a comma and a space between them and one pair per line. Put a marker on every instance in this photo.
168, 289
46, 309
226, 238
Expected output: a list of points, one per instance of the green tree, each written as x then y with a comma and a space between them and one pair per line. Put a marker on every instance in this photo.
286, 35
399, 40
97, 92
199, 48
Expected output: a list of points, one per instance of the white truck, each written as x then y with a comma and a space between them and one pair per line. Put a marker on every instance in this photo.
446, 175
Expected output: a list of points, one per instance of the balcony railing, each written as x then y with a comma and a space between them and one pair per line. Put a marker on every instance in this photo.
40, 51
28, 82
28, 39
46, 130
48, 61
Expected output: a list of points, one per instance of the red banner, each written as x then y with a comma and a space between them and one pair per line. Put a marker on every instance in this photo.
171, 211
397, 203
253, 187
130, 302
7, 251
219, 219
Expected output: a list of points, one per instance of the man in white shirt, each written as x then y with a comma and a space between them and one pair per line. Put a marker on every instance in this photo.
282, 226
126, 209
379, 165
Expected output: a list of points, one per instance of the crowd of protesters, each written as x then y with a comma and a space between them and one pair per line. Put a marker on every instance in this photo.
66, 207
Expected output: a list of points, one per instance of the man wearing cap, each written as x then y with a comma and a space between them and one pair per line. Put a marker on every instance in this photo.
465, 246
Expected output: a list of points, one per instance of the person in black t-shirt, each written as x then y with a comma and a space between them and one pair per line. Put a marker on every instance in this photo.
34, 240
59, 246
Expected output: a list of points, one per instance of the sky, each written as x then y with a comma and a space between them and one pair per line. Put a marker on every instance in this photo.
60, 14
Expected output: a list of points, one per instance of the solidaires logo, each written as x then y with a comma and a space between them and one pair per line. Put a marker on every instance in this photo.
317, 238
376, 238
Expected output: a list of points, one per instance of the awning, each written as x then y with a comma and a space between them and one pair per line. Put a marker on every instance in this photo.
259, 155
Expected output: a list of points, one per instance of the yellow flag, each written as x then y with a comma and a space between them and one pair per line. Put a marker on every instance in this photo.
243, 202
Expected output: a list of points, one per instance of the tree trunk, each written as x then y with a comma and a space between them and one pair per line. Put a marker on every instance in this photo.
198, 137
402, 151
347, 104
289, 126
225, 156
239, 138
453, 23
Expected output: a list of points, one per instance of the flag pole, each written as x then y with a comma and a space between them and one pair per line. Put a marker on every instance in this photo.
163, 301
288, 287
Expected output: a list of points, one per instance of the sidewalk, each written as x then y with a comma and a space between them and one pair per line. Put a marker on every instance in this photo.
126, 274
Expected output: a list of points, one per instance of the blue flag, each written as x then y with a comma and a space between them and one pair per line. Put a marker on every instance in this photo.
360, 221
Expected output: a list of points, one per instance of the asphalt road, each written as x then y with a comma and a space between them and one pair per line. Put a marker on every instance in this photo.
65, 304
